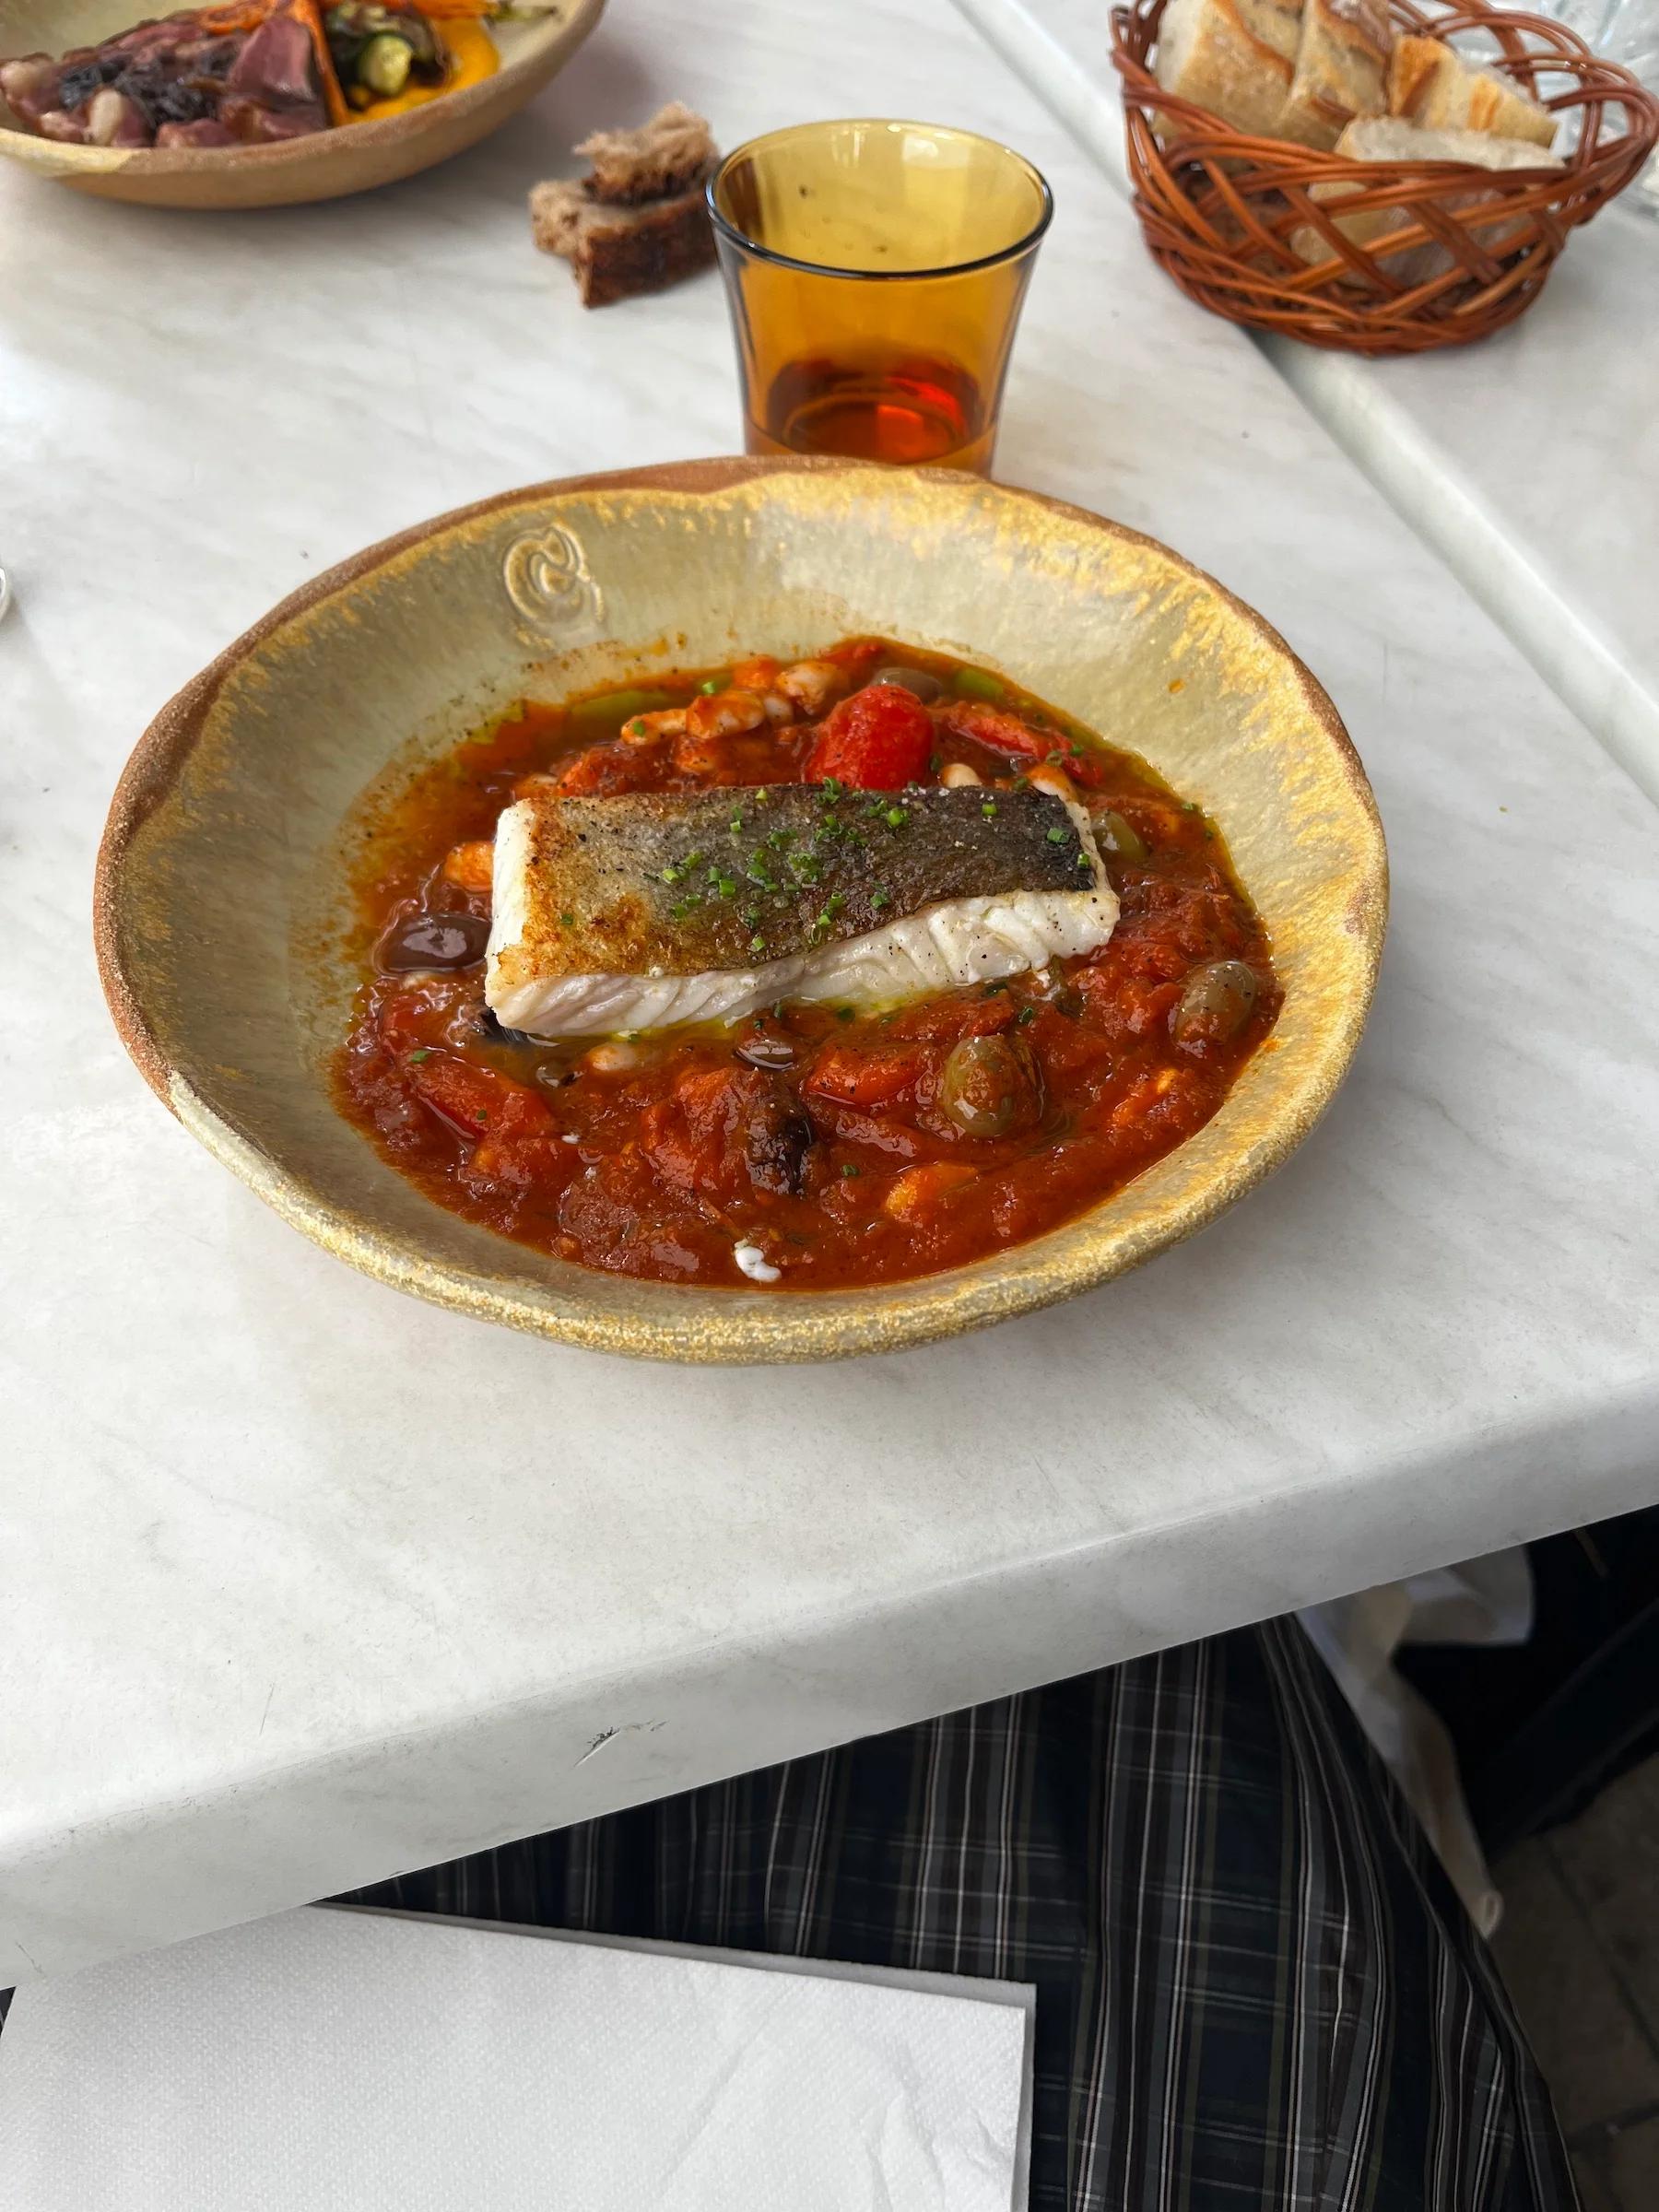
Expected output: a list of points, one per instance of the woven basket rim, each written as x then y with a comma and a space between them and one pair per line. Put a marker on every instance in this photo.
1239, 220
1132, 36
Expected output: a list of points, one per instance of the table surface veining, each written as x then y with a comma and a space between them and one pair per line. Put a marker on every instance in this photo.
307, 1583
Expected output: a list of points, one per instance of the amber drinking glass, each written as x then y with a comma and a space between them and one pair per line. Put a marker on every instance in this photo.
876, 272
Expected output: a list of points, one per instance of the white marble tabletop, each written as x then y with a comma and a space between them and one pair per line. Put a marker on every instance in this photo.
307, 1583
1530, 461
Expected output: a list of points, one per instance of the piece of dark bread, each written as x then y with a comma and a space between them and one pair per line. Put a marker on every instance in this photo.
663, 158
616, 252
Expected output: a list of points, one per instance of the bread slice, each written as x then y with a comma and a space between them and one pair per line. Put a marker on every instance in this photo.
1386, 138
1232, 56
1341, 69
616, 252
658, 161
1430, 85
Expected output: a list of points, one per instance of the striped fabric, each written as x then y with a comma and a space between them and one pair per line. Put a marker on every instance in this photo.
1257, 1991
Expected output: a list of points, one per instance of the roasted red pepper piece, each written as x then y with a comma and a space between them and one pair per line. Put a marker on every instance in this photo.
476, 1100
880, 739
999, 731
604, 771
849, 1078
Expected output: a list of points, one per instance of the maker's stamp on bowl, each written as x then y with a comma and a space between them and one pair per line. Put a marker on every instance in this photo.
547, 580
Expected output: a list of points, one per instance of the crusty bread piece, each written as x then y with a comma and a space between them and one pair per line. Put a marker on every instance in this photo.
1430, 85
1386, 138
1341, 69
616, 252
662, 159
1232, 56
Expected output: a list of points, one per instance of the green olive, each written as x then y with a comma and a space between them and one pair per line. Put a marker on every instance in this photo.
973, 683
1218, 1001
383, 64
990, 1086
925, 687
607, 714
1121, 837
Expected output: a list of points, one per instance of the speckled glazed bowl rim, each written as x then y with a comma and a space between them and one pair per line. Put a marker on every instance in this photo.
667, 1321
50, 157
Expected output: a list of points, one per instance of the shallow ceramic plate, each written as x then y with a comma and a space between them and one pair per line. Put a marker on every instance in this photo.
326, 166
220, 910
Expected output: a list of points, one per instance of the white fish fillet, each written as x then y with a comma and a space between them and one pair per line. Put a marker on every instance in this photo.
939, 947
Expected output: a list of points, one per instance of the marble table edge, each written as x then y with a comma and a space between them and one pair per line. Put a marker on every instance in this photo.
145, 1871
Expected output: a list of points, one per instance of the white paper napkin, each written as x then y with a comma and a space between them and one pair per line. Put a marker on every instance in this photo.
345, 2062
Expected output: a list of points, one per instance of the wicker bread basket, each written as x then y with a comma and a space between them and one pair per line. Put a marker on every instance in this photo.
1234, 221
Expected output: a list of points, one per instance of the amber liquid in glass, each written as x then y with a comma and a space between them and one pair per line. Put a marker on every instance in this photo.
875, 272
916, 408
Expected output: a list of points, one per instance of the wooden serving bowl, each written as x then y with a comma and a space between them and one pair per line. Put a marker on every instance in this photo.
225, 930
326, 166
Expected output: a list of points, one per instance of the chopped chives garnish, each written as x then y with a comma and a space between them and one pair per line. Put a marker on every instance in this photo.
1058, 836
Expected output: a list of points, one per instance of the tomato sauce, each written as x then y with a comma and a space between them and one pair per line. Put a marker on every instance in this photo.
808, 1147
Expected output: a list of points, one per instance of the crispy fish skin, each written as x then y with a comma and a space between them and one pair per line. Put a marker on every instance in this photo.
662, 908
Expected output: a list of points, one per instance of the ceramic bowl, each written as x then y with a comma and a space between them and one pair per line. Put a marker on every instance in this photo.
224, 933
326, 166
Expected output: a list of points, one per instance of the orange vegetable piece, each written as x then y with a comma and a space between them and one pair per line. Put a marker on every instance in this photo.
221, 22
855, 1078
471, 866
920, 1191
334, 100
473, 1098
759, 672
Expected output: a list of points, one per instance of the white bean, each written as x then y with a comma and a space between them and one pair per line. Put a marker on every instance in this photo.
1054, 780
616, 1057
755, 1264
